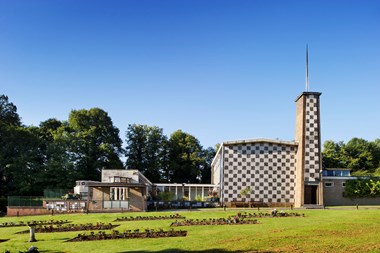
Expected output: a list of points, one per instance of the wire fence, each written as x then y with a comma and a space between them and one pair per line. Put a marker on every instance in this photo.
54, 193
25, 201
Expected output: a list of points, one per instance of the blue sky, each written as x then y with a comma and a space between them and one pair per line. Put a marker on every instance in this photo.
219, 70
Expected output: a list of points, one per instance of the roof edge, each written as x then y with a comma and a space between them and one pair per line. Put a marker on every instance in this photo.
261, 140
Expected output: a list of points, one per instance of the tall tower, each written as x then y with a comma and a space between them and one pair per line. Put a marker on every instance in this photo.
309, 188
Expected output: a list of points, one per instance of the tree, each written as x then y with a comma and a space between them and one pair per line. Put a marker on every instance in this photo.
20, 161
332, 155
185, 158
246, 192
18, 151
93, 142
8, 112
58, 170
207, 157
359, 154
146, 150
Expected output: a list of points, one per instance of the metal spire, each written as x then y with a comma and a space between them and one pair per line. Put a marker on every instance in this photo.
307, 68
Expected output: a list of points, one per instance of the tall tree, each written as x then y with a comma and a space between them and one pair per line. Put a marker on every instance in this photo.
8, 112
58, 170
185, 158
332, 155
359, 154
207, 157
145, 150
10, 125
94, 142
20, 161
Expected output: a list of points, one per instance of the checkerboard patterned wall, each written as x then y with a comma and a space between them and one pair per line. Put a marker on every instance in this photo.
312, 131
267, 168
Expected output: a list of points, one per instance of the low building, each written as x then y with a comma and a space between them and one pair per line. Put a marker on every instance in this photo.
334, 183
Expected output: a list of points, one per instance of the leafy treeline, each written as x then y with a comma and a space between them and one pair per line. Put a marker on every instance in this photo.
362, 156
57, 153
177, 159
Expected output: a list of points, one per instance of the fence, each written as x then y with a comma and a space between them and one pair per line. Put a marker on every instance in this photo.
24, 201
54, 193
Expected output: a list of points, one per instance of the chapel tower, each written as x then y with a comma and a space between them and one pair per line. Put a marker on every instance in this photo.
308, 189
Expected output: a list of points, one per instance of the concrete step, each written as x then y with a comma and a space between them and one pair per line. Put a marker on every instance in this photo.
313, 206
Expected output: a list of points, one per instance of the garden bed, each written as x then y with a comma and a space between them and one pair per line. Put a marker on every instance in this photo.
148, 233
43, 222
273, 213
140, 218
221, 221
71, 228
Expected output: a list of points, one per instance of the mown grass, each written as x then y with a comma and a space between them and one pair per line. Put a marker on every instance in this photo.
330, 230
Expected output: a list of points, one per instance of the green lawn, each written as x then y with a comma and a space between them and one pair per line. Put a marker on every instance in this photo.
330, 230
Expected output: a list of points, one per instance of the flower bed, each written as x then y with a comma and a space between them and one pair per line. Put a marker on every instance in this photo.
139, 218
148, 233
222, 221
273, 213
71, 227
43, 222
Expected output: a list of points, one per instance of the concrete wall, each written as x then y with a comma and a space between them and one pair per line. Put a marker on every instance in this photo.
333, 196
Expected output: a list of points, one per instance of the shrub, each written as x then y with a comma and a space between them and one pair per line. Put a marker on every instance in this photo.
362, 187
165, 196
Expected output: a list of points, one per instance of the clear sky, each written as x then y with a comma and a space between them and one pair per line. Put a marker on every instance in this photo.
219, 70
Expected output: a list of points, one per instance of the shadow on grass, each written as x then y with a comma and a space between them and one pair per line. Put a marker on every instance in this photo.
200, 251
3, 240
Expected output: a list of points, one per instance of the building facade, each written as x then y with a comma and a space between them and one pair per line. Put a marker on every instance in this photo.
273, 172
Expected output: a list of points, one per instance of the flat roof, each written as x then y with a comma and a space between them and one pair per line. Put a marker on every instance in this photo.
114, 184
261, 140
337, 169
185, 185
308, 93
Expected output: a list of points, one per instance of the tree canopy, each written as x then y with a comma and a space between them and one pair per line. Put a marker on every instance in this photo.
56, 153
360, 155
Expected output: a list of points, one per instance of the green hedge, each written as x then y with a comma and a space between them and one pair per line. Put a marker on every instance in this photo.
362, 187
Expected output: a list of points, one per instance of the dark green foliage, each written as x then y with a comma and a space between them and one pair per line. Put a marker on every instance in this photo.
362, 187
146, 150
3, 205
8, 112
185, 156
207, 155
179, 159
57, 153
93, 142
362, 156
165, 196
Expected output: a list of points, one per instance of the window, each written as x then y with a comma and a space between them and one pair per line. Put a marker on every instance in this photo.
329, 184
343, 184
